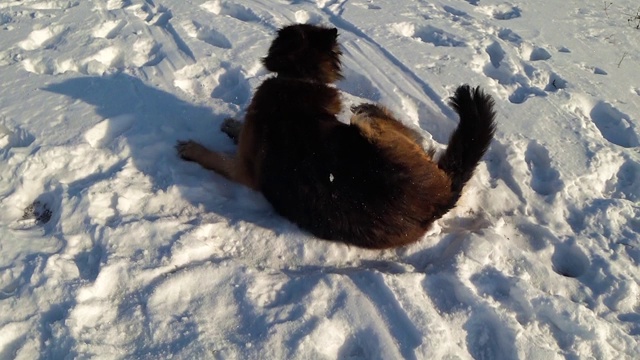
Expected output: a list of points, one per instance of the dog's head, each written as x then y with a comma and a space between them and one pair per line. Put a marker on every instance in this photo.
305, 51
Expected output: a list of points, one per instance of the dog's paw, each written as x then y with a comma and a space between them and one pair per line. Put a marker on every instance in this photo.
190, 150
231, 127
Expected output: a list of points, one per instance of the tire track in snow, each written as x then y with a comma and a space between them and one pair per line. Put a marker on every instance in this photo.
487, 337
418, 88
384, 301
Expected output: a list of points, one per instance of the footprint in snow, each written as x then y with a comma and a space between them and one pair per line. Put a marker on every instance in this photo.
142, 11
151, 13
146, 52
500, 166
160, 17
43, 38
109, 29
442, 290
456, 13
228, 8
111, 57
506, 74
614, 125
103, 133
545, 180
233, 86
88, 262
118, 4
628, 182
427, 34
437, 37
522, 81
5, 19
633, 320
599, 71
569, 260
535, 237
593, 69
489, 338
510, 36
504, 11
534, 53
15, 138
555, 83
496, 54
522, 93
207, 34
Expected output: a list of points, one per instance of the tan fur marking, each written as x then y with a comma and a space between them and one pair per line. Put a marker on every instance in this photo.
212, 160
388, 133
249, 156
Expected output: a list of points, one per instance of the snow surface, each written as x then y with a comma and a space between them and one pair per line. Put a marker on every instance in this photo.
111, 247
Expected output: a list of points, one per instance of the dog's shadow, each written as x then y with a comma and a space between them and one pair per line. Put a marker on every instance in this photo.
147, 123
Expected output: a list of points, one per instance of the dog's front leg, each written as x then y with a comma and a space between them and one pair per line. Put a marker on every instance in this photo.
221, 163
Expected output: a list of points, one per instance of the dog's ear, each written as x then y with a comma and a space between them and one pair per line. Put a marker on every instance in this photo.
327, 38
334, 33
290, 38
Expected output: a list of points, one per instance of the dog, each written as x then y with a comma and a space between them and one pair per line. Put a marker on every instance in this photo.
368, 183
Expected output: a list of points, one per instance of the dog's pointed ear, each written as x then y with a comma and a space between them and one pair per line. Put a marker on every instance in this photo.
329, 37
292, 36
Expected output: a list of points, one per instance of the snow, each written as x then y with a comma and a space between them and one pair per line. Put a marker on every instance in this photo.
112, 247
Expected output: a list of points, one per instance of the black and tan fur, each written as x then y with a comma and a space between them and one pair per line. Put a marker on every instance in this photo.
368, 183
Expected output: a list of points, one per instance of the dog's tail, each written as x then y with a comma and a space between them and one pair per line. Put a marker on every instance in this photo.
470, 140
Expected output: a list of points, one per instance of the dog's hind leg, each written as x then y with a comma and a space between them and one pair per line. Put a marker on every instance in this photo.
366, 113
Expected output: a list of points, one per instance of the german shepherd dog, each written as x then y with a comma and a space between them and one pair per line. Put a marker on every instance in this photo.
369, 183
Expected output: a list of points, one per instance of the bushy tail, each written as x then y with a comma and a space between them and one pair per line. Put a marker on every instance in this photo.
471, 139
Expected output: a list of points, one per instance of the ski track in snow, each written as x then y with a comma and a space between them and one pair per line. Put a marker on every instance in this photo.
112, 247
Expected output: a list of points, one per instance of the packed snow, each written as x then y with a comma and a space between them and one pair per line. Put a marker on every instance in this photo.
112, 247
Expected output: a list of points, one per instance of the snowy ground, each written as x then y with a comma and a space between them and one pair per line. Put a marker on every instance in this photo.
111, 247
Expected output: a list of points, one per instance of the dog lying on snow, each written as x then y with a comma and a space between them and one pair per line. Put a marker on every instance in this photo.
369, 183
